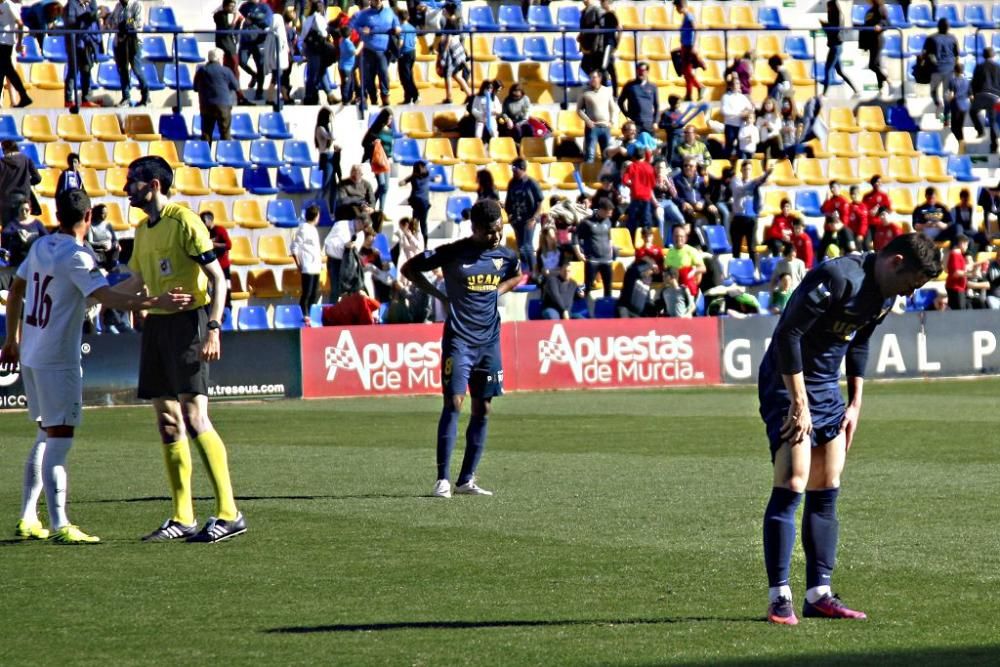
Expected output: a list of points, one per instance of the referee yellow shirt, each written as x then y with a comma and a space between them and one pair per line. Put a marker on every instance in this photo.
165, 254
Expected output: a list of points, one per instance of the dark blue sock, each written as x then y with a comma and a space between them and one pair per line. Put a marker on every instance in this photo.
819, 535
447, 432
779, 534
475, 443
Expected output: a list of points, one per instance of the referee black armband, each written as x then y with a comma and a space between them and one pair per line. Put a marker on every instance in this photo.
205, 258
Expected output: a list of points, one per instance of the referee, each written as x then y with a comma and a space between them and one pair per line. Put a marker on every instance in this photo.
173, 249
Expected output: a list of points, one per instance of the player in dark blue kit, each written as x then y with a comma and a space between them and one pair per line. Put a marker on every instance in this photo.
477, 270
829, 319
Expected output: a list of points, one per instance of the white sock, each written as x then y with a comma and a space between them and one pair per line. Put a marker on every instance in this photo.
54, 471
33, 479
816, 592
775, 592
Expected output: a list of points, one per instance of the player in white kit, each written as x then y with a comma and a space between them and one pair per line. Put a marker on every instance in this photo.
51, 291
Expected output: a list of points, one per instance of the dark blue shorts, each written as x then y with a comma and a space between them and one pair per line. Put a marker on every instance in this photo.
826, 407
476, 368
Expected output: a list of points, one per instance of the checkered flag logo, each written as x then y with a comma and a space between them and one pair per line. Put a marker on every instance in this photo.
344, 356
552, 352
557, 350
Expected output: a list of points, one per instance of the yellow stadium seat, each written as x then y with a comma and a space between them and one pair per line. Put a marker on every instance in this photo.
534, 149
767, 46
167, 150
622, 240
139, 126
71, 127
810, 170
841, 169
106, 127
840, 145
562, 175
241, 254
248, 214
569, 124
47, 77
93, 154
482, 49
113, 211
799, 72
869, 166
902, 200
901, 169
625, 71
900, 143
114, 181
954, 193
188, 181
445, 124
125, 152
262, 284
657, 17
223, 181
36, 128
503, 149
933, 168
56, 154
628, 17
784, 174
738, 45
711, 76
472, 151
540, 93
842, 120
626, 49
438, 150
527, 72
657, 238
713, 17
236, 289
291, 282
414, 125
576, 272
50, 177
501, 175
590, 172
543, 114
48, 220
762, 73
91, 183
464, 177
424, 52
534, 171
658, 75
872, 119
617, 277
654, 48
218, 209
870, 143
272, 249
772, 202
711, 47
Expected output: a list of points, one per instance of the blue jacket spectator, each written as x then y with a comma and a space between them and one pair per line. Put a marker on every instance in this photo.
640, 100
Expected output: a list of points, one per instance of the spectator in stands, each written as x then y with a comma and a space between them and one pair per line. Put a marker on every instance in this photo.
691, 190
608, 191
346, 235
221, 244
778, 235
17, 175
942, 50
376, 269
18, 235
308, 255
989, 200
640, 101
549, 257
611, 28
932, 217
665, 195
380, 132
81, 49
11, 40
347, 67
314, 44
420, 196
832, 27
355, 198
720, 194
635, 298
781, 293
781, 87
802, 243
70, 178
102, 239
959, 96
857, 219
407, 57
790, 265
565, 215
558, 293
688, 59
675, 300
452, 61
329, 157
885, 229
590, 39
837, 239
870, 39
742, 69
748, 137
961, 218
486, 109
619, 152
485, 187
593, 246
596, 106
277, 58
225, 20
40, 17
516, 112
640, 178
769, 128
651, 249
126, 20
957, 281
672, 122
876, 198
836, 202
217, 88
375, 24
735, 107
992, 278
691, 148
523, 205
746, 209
256, 25
410, 242
686, 260
985, 95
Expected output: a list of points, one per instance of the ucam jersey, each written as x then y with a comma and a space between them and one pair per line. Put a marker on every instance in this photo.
830, 315
60, 274
472, 277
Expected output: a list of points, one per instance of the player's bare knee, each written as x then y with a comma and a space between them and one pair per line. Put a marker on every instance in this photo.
169, 426
481, 408
796, 483
454, 403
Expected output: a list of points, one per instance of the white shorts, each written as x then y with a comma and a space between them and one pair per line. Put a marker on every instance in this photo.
55, 397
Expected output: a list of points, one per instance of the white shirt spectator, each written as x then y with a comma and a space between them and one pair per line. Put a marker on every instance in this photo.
748, 138
307, 250
342, 234
598, 106
734, 107
8, 23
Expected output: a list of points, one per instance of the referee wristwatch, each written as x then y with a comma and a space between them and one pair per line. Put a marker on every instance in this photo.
213, 325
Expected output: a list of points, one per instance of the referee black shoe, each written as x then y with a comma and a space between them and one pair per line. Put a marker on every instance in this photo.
217, 530
171, 530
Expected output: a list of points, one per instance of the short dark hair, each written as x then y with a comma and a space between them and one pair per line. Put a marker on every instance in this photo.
207, 216
485, 212
71, 208
9, 146
671, 272
961, 238
930, 190
70, 158
153, 167
919, 253
99, 211
312, 212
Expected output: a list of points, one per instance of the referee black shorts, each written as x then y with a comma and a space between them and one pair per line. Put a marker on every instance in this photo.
170, 363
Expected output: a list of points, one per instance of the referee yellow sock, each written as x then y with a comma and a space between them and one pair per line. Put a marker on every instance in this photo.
213, 453
177, 456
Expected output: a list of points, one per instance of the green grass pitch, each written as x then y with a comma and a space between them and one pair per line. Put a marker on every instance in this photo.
625, 531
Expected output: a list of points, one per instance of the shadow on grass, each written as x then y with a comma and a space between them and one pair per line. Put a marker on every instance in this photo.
953, 656
150, 499
479, 625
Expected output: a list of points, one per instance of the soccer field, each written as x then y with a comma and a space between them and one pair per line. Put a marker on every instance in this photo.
625, 530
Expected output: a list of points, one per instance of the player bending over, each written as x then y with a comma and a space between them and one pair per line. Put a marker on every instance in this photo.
830, 318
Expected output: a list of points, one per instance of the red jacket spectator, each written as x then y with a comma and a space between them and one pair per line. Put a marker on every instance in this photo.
837, 203
654, 253
884, 233
804, 248
957, 280
640, 178
356, 308
857, 219
875, 200
780, 228
220, 235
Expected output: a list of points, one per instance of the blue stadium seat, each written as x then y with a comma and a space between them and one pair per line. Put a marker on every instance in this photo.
534, 309
973, 44
892, 47
177, 77
281, 213
808, 203
198, 153
915, 43
930, 143
819, 73
288, 316
858, 14
770, 19
566, 48
229, 153
406, 152
960, 166
456, 204
920, 16
995, 14
566, 74
568, 17
227, 320
273, 126
325, 219
153, 81
315, 179
699, 305
540, 18
896, 18
264, 153
381, 243
258, 182
537, 49
512, 20
951, 13
154, 49
30, 151
173, 126
296, 152
252, 318
718, 240
196, 129
797, 47
506, 49
481, 19
742, 271
605, 308
108, 54
54, 49
767, 266
440, 182
187, 50
900, 119
9, 129
316, 314
579, 310
291, 181
32, 52
162, 19
763, 302
242, 127
107, 76
922, 299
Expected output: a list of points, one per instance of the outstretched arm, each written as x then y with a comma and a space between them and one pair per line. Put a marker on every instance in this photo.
10, 354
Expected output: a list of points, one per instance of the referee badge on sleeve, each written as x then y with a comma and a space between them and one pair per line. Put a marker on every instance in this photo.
166, 268
819, 295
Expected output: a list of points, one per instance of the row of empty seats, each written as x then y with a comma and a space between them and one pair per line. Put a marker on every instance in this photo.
153, 49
